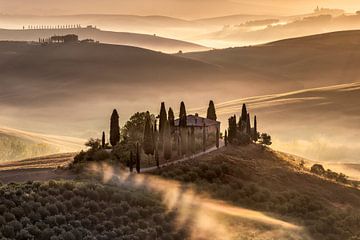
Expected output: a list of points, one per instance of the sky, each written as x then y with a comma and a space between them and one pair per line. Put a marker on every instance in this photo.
187, 9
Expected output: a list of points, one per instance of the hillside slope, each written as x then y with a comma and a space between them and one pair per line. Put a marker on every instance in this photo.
311, 61
275, 183
16, 145
121, 38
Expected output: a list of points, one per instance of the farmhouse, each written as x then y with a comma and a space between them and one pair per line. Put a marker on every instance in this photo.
198, 125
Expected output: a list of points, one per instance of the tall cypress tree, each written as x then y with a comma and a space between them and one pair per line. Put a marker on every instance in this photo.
114, 129
232, 131
244, 113
103, 143
243, 119
182, 116
182, 128
148, 144
171, 118
248, 125
167, 141
255, 133
211, 112
162, 120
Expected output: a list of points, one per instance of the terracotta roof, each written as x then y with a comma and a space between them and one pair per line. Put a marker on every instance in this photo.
197, 121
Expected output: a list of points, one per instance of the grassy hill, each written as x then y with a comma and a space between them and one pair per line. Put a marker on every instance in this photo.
111, 37
274, 183
17, 145
311, 61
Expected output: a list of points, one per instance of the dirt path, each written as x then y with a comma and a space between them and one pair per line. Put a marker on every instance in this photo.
149, 169
36, 169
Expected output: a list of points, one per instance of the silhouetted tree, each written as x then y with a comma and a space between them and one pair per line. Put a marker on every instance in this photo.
232, 131
243, 119
182, 116
226, 138
137, 158
255, 133
182, 128
162, 120
211, 112
103, 143
265, 139
114, 129
248, 125
171, 118
167, 141
148, 143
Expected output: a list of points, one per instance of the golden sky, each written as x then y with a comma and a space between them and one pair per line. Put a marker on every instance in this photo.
189, 9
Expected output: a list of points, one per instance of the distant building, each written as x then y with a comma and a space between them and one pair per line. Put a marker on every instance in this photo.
70, 38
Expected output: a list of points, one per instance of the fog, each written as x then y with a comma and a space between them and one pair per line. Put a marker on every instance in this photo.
204, 217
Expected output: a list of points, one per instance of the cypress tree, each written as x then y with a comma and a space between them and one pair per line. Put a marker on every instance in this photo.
182, 128
244, 113
171, 118
248, 125
162, 117
232, 131
162, 120
211, 112
226, 138
182, 116
256, 135
137, 160
148, 144
114, 129
103, 140
167, 141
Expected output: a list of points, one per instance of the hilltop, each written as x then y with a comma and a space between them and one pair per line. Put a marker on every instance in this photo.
265, 180
152, 42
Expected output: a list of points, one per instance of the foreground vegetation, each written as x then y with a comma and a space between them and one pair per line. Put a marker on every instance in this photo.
77, 210
257, 179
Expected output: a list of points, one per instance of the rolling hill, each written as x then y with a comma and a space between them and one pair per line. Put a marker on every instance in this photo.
152, 42
316, 60
17, 145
